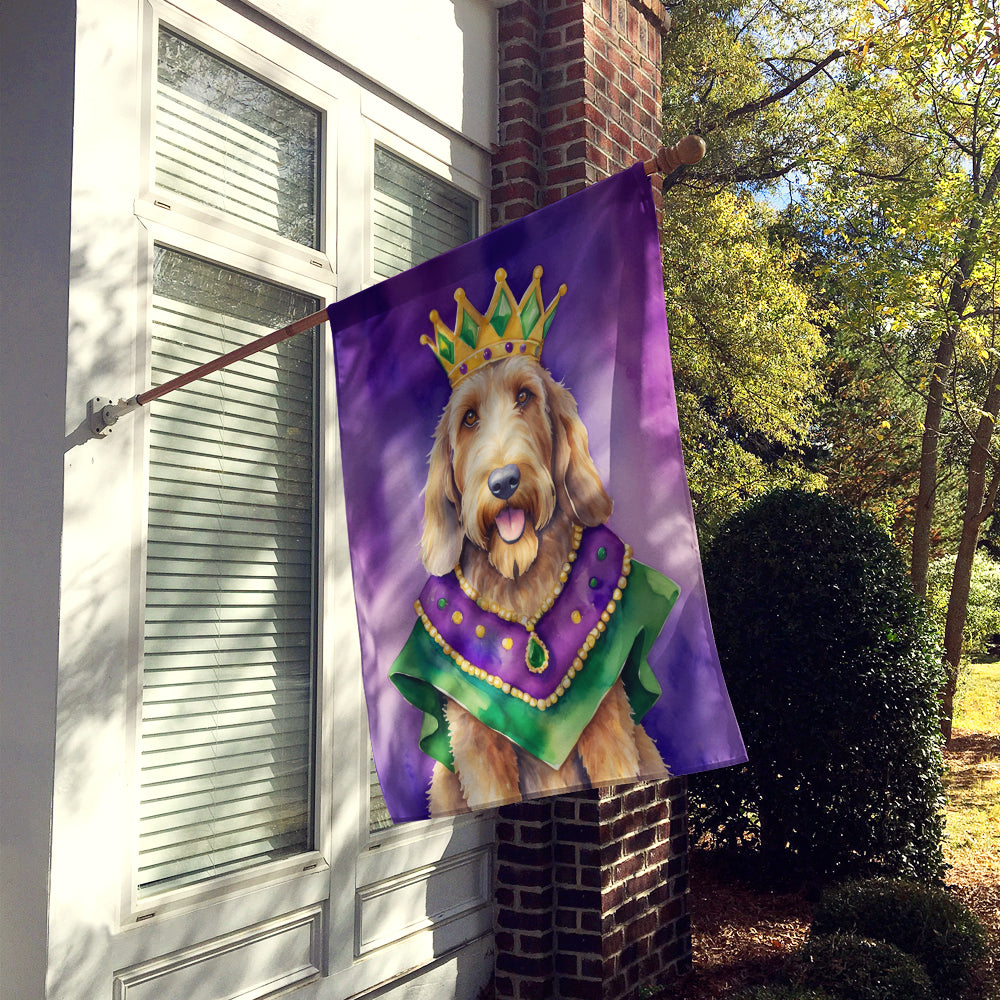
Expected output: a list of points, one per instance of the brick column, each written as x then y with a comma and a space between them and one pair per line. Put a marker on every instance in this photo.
591, 889
579, 96
591, 893
524, 901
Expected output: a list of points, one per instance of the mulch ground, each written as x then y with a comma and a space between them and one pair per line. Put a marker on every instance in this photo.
742, 934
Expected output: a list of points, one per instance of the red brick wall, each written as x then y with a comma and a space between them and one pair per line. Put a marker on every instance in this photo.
579, 96
591, 893
591, 889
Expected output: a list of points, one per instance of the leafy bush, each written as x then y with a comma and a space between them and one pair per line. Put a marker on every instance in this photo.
833, 673
782, 993
983, 612
856, 968
925, 922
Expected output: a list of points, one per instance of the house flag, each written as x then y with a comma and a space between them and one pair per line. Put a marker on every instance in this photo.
527, 581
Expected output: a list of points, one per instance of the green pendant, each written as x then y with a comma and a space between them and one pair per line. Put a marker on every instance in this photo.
536, 655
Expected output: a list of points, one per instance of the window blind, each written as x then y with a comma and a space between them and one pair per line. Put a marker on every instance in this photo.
228, 655
416, 216
228, 140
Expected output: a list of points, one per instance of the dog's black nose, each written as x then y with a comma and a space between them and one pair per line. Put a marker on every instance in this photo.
504, 482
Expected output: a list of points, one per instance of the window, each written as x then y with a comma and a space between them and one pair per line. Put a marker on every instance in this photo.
229, 647
253, 803
228, 679
416, 215
227, 140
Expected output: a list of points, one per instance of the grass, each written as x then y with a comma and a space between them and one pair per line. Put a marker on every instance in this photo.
978, 698
972, 848
973, 782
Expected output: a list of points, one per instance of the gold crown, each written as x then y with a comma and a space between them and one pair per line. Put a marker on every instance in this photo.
507, 329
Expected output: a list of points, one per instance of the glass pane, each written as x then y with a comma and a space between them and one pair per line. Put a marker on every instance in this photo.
231, 141
416, 217
228, 679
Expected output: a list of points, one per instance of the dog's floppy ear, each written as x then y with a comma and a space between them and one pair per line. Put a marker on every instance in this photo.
578, 483
441, 541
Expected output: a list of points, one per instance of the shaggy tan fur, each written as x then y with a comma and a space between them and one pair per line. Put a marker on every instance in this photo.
513, 413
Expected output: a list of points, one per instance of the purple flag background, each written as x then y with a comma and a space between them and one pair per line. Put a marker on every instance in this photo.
608, 345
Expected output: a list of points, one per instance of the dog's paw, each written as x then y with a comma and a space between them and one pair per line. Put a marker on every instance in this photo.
444, 797
485, 761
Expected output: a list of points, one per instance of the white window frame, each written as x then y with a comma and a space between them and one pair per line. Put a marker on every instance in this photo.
177, 223
350, 874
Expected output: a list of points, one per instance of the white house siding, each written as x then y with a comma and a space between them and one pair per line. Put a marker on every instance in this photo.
74, 288
36, 118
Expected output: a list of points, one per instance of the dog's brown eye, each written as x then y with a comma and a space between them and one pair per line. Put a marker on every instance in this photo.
471, 418
523, 397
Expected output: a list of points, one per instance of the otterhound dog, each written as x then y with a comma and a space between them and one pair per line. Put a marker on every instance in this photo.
511, 486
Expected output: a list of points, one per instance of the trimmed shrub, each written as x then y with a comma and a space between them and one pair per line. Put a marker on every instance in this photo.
782, 993
925, 922
856, 968
833, 672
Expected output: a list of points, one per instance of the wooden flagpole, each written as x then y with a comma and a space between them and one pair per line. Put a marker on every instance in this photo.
102, 413
260, 344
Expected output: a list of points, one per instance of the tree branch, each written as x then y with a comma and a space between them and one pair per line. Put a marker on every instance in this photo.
754, 106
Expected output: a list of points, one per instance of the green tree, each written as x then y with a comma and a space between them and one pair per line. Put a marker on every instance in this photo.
910, 181
880, 121
747, 77
747, 352
867, 432
833, 671
747, 358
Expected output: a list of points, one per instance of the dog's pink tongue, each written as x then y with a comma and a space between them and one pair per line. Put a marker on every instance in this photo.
510, 523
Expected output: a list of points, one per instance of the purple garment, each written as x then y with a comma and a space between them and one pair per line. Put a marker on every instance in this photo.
590, 587
608, 345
